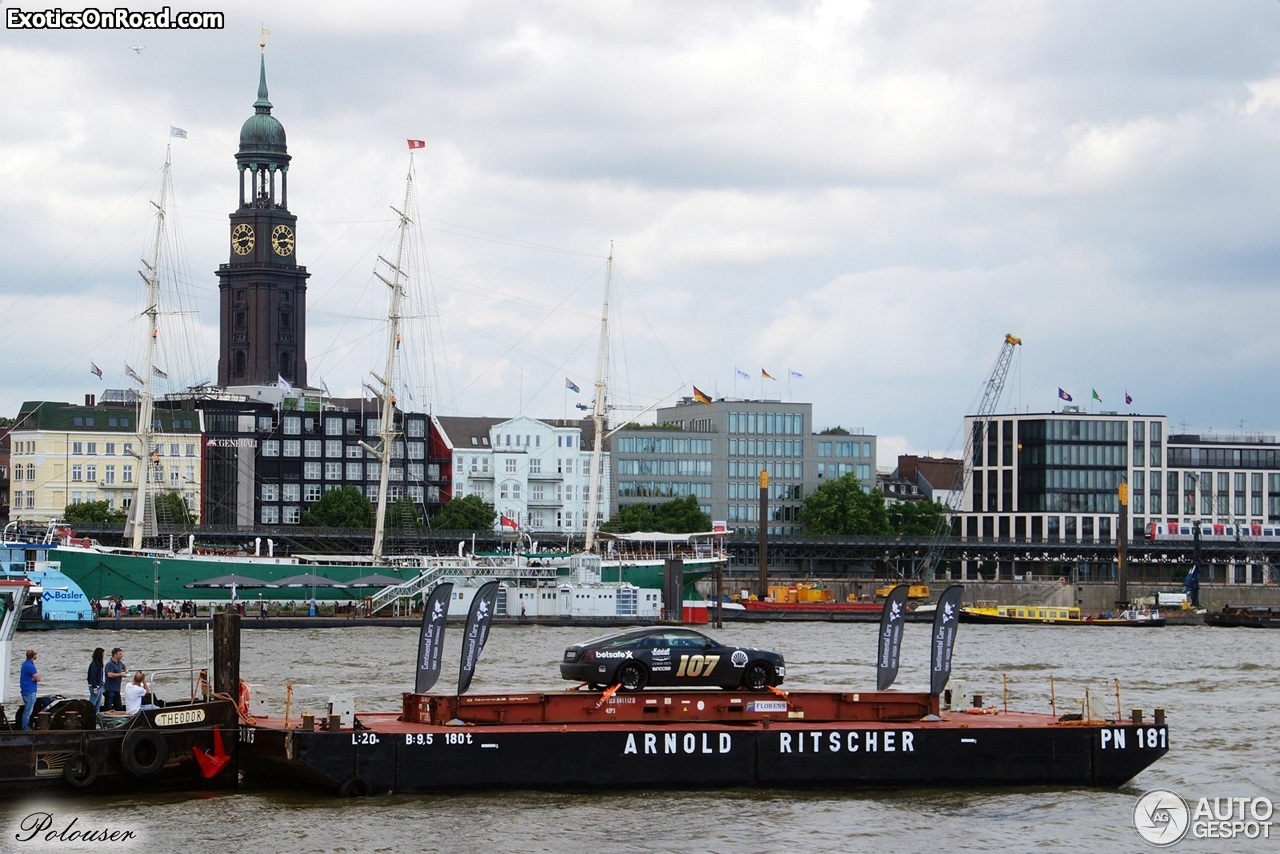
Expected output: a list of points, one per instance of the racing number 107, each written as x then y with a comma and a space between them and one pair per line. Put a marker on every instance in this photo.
697, 665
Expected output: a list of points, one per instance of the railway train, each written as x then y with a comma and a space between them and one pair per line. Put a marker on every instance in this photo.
1211, 531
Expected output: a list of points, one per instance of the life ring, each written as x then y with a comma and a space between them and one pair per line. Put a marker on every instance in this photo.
243, 703
144, 752
81, 770
1062, 579
354, 788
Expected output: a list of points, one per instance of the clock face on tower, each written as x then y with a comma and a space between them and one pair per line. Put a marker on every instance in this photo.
242, 239
282, 240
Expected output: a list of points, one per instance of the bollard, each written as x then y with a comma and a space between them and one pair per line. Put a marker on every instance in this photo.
335, 723
1159, 715
308, 722
977, 701
1135, 715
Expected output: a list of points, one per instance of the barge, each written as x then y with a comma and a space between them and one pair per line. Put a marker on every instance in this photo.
691, 739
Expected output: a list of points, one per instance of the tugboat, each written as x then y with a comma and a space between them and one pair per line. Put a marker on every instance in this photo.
70, 747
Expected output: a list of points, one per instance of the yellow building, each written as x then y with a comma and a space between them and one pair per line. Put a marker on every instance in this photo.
64, 454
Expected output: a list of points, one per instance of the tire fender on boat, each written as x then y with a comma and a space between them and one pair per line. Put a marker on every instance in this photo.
354, 788
81, 770
144, 752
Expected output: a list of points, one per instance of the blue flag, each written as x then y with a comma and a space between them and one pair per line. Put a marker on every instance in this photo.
1062, 394
568, 383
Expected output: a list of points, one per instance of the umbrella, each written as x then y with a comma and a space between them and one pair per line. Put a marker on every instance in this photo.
233, 581
308, 580
374, 580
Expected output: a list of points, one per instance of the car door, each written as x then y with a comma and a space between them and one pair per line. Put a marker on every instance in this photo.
697, 661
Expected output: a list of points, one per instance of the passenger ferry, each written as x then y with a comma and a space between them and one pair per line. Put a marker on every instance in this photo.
1055, 615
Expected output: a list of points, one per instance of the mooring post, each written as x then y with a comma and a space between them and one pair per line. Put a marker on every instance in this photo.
226, 654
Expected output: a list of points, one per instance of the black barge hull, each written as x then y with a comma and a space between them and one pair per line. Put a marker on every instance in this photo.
386, 754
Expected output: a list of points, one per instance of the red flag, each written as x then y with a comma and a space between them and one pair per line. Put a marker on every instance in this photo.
416, 143
700, 397
508, 522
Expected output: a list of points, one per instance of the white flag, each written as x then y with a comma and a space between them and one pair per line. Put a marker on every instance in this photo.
130, 372
178, 132
161, 374
796, 374
283, 383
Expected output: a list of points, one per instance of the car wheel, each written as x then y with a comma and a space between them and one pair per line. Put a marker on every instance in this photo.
758, 677
632, 676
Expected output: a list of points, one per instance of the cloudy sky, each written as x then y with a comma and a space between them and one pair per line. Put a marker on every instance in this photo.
868, 194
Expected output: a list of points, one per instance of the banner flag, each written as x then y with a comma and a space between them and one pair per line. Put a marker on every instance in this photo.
476, 632
431, 642
891, 623
417, 143
944, 637
1062, 394
95, 370
700, 396
571, 385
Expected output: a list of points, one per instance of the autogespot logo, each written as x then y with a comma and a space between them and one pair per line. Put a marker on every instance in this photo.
1161, 817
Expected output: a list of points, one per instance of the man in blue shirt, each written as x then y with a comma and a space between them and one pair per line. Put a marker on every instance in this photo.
27, 684
111, 689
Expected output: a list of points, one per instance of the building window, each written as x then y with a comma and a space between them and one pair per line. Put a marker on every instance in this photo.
333, 448
333, 471
333, 426
77, 474
291, 492
270, 492
270, 447
271, 515
292, 447
292, 514
354, 471
312, 447
292, 425
311, 471
311, 492
77, 448
126, 474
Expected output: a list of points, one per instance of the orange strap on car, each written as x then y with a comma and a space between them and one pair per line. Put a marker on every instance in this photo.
608, 692
775, 689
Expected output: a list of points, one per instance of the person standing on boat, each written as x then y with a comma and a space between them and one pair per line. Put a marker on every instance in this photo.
28, 680
97, 678
114, 670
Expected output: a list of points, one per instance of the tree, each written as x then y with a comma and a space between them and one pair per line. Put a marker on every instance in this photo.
917, 518
470, 513
172, 510
340, 508
404, 515
93, 514
841, 507
678, 516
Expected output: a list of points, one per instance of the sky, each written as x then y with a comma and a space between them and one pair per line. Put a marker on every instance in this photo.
861, 199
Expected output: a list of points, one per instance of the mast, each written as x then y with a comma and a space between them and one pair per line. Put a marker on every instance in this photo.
386, 423
146, 404
598, 410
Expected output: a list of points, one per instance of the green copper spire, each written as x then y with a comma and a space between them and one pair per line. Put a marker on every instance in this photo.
262, 105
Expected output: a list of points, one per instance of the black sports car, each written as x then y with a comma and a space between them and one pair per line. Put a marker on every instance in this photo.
660, 656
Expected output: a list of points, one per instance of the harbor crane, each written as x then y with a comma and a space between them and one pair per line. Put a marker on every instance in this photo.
991, 391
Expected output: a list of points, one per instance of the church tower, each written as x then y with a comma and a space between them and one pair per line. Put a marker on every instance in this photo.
261, 289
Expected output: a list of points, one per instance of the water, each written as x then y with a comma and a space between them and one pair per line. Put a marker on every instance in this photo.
1217, 685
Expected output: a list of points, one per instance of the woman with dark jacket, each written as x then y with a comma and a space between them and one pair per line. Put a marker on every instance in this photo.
96, 678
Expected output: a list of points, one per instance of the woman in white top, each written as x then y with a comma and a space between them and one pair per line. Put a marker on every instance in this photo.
134, 692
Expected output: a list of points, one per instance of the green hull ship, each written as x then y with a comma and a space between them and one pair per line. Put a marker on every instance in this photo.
163, 575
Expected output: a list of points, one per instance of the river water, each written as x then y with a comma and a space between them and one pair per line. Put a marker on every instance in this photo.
1217, 685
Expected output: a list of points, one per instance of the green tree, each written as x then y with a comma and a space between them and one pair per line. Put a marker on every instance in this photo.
172, 510
93, 514
470, 513
340, 508
630, 517
917, 518
678, 516
841, 507
404, 515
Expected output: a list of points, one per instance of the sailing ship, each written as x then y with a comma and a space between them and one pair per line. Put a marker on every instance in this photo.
632, 564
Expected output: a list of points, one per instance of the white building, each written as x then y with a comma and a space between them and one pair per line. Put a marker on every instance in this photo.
536, 473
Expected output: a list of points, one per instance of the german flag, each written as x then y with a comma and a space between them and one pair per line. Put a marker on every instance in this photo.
700, 397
